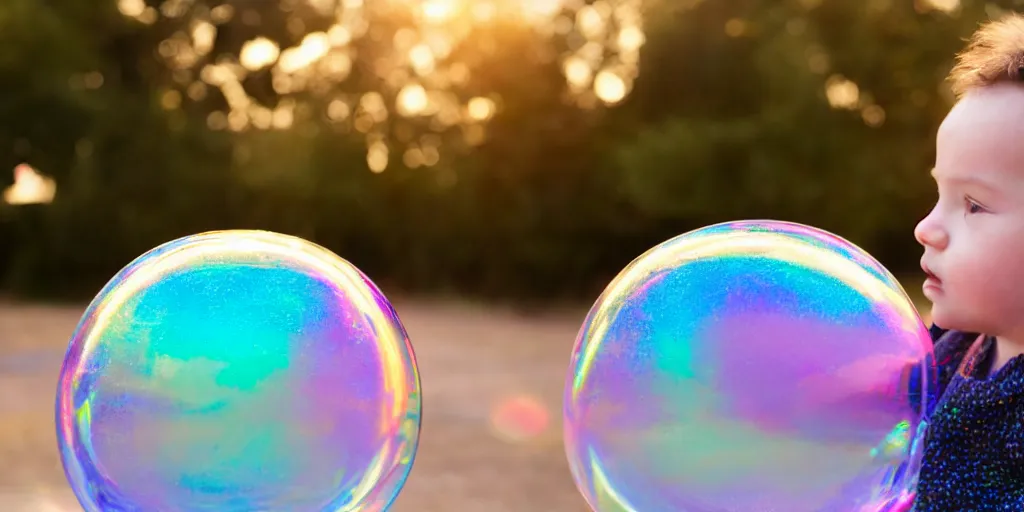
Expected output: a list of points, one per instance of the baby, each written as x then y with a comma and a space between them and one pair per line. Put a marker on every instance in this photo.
974, 261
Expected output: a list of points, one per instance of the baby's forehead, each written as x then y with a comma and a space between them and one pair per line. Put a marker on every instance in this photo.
993, 110
982, 136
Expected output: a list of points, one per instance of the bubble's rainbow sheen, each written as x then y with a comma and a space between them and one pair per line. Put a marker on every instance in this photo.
238, 370
749, 366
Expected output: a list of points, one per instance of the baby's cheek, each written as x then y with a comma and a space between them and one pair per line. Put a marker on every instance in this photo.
1002, 273
1011, 259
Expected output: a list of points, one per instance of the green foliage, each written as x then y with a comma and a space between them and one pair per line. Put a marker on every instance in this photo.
556, 199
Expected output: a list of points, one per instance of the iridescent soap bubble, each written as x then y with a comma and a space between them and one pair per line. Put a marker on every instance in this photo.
751, 366
238, 371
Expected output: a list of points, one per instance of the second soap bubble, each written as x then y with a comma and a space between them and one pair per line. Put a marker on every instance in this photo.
749, 366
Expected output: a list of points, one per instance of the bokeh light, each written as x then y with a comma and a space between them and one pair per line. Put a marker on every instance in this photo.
30, 187
432, 71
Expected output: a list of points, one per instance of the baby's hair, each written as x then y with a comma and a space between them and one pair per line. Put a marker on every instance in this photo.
994, 54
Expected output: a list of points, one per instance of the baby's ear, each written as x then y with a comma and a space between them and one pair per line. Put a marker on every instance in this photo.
1015, 71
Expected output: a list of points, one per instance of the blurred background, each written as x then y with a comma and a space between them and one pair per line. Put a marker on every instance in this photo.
490, 163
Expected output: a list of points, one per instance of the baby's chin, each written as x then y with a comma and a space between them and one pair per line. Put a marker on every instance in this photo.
953, 319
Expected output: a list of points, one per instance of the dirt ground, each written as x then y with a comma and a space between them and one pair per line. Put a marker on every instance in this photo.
474, 363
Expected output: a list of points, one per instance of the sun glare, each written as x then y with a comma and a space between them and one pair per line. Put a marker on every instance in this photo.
437, 11
417, 73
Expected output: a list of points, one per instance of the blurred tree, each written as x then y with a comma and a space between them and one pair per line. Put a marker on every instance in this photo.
511, 148
815, 112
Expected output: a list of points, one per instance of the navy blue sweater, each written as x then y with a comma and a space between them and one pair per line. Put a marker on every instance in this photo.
974, 446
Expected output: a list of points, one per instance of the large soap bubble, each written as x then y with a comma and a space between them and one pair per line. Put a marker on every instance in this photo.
238, 370
749, 366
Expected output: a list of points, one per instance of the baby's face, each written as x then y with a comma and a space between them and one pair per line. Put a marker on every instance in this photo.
974, 236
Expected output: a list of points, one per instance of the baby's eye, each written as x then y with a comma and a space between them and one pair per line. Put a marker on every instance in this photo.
973, 207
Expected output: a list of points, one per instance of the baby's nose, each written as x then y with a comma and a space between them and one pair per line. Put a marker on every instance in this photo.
930, 233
